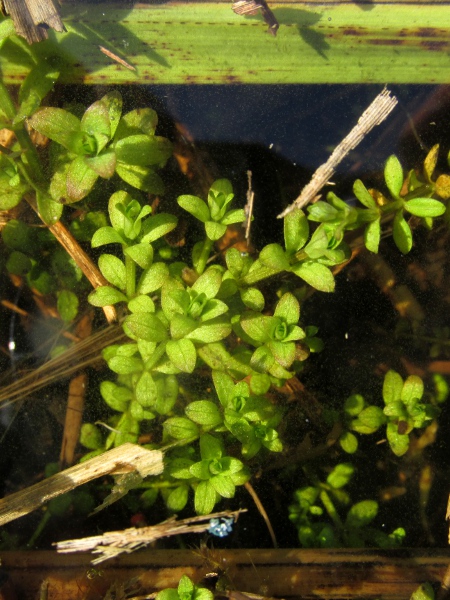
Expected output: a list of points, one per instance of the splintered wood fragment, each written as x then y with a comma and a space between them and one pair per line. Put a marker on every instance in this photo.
116, 58
124, 459
375, 114
248, 209
32, 18
111, 544
252, 7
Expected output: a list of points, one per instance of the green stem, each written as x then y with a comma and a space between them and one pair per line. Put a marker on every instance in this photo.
31, 157
259, 274
130, 277
205, 254
331, 510
157, 354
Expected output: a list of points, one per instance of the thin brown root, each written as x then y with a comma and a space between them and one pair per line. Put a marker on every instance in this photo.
262, 511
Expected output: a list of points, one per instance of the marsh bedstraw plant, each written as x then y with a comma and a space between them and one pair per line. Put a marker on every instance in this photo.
204, 348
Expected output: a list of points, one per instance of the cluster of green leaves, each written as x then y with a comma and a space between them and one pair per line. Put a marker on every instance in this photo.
186, 590
404, 411
36, 256
323, 499
179, 317
412, 196
101, 143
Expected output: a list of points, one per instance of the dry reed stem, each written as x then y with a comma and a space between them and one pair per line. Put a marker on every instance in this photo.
375, 114
75, 401
111, 544
79, 356
124, 459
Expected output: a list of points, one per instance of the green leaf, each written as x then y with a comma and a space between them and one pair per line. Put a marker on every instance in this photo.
430, 162
59, 125
49, 210
153, 278
146, 391
361, 514
181, 428
393, 175
340, 475
18, 263
106, 235
67, 305
425, 207
113, 270
296, 231
106, 296
234, 216
398, 442
157, 226
141, 254
96, 123
412, 389
80, 180
177, 499
372, 417
139, 120
274, 257
113, 102
168, 594
211, 447
224, 386
195, 206
315, 274
142, 178
224, 486
363, 195
372, 235
262, 360
354, 405
37, 84
182, 354
117, 397
392, 387
141, 304
143, 150
211, 331
91, 436
214, 230
402, 233
252, 298
288, 308
423, 592
257, 325
204, 413
104, 164
145, 326
348, 442
125, 365
205, 498
208, 283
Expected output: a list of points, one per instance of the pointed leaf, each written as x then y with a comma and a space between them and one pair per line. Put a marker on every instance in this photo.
393, 175
182, 354
425, 207
296, 231
315, 274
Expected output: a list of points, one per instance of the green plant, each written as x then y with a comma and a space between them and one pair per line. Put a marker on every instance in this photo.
322, 499
208, 343
404, 410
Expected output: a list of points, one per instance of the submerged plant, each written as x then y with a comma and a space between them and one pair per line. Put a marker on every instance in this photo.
206, 348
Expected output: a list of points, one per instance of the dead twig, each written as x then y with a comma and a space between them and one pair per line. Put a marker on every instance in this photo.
111, 544
127, 458
375, 114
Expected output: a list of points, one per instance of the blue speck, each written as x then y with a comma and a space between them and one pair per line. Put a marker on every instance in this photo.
221, 527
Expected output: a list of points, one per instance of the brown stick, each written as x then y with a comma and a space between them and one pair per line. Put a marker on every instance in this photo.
125, 458
289, 573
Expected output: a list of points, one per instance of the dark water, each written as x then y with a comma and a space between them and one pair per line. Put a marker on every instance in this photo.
282, 134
